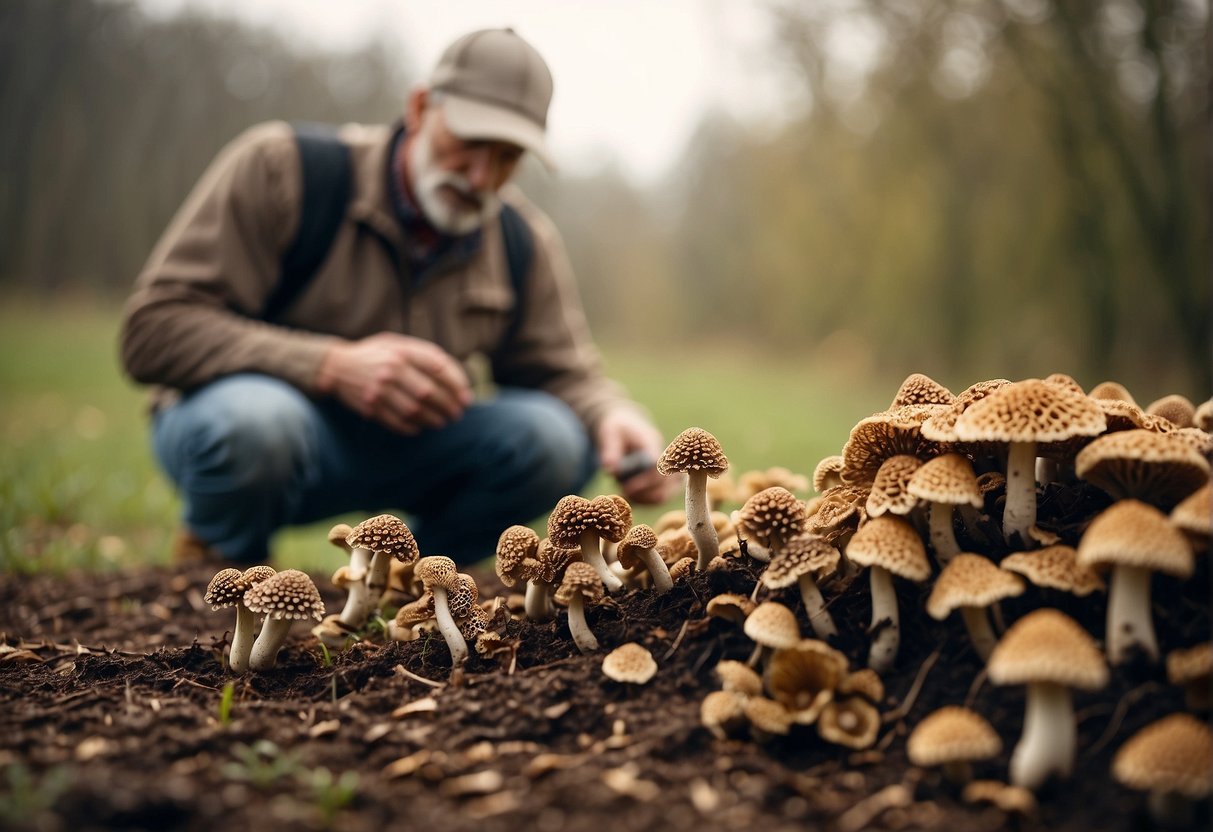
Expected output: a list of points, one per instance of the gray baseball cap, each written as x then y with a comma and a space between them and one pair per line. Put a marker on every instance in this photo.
495, 85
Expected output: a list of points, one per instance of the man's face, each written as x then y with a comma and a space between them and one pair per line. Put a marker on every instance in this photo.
456, 180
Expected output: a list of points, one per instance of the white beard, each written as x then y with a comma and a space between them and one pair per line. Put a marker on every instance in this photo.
440, 209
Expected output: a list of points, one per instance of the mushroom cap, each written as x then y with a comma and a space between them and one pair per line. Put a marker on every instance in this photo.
827, 472
841, 507
1008, 798
805, 676
341, 577
436, 571
730, 606
1064, 380
805, 554
416, 611
738, 676
289, 594
1174, 754
226, 589
1112, 390
876, 438
517, 548
575, 515
921, 389
257, 574
461, 596
629, 663
385, 533
579, 579
723, 712
681, 568
1031, 410
771, 624
1124, 415
553, 560
771, 516
1055, 567
1046, 645
1203, 418
1144, 465
751, 482
636, 542
889, 494
1175, 408
948, 478
338, 535
863, 682
891, 543
673, 519
1190, 664
1132, 533
970, 581
693, 450
849, 721
952, 734
767, 715
941, 426
474, 623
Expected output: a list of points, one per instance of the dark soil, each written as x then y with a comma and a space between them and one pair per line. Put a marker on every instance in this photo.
112, 686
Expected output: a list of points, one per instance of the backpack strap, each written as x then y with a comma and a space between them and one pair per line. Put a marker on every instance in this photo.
519, 255
327, 184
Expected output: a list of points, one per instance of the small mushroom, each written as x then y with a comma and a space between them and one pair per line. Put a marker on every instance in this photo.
771, 626
851, 721
639, 546
630, 664
1192, 669
1013, 800
581, 584
1055, 567
972, 583
517, 560
722, 712
804, 677
283, 598
387, 537
803, 560
770, 518
953, 738
698, 454
225, 590
1172, 759
738, 676
767, 717
576, 521
440, 577
945, 482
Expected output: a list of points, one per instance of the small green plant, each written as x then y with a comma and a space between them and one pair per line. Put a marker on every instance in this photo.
330, 794
25, 797
376, 625
225, 704
326, 657
261, 764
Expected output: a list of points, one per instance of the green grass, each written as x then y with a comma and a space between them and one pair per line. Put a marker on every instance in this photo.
79, 487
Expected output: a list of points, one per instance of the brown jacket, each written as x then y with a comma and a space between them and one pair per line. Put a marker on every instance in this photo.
192, 317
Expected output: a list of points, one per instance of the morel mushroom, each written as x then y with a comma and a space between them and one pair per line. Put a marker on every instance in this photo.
581, 584
698, 454
284, 598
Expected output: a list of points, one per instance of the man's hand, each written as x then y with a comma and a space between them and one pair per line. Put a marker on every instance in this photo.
402, 382
621, 431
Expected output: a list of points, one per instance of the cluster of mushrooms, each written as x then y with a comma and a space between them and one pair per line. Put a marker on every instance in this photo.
910, 484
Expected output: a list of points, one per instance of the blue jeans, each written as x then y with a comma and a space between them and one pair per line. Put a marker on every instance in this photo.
251, 454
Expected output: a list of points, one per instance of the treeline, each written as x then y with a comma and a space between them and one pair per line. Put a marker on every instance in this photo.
1008, 188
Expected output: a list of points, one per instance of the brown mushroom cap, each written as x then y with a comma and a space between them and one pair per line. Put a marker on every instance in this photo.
739, 676
876, 438
941, 426
1144, 465
629, 663
970, 581
437, 571
1185, 665
385, 533
553, 560
723, 712
575, 515
730, 606
1031, 410
257, 574
949, 479
851, 721
1112, 390
636, 542
339, 534
804, 554
952, 734
840, 509
289, 594
803, 677
693, 450
1055, 567
827, 473
921, 389
893, 544
1174, 754
1124, 415
1203, 418
515, 547
863, 682
767, 715
461, 596
1046, 645
1175, 408
416, 611
226, 589
771, 624
1132, 533
579, 579
1008, 798
889, 494
771, 517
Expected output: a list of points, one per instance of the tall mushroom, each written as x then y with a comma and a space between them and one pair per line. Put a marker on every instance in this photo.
945, 482
517, 560
888, 546
802, 561
581, 584
576, 521
440, 577
387, 537
283, 598
227, 589
698, 454
1050, 653
953, 738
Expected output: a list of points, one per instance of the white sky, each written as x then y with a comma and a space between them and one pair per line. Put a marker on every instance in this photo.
632, 76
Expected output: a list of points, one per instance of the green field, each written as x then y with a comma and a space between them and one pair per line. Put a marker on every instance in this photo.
79, 487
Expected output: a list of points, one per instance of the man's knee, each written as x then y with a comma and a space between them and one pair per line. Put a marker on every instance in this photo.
545, 442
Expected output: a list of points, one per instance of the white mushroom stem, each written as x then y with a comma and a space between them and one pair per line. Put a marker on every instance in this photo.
699, 518
977, 622
269, 642
538, 601
578, 627
242, 639
662, 582
360, 600
1049, 736
377, 579
448, 628
1130, 620
883, 650
943, 537
1019, 515
591, 553
757, 551
815, 606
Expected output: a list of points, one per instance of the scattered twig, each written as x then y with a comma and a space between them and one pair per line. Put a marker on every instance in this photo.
677, 640
187, 681
861, 815
975, 688
904, 708
404, 671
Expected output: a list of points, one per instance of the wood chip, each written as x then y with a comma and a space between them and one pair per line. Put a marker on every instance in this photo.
480, 782
625, 780
12, 656
377, 732
409, 765
557, 711
541, 764
481, 808
481, 752
861, 815
328, 726
424, 705
93, 747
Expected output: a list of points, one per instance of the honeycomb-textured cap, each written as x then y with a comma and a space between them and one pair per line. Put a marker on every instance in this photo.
257, 574
636, 542
890, 493
851, 721
738, 676
1031, 410
1141, 464
941, 426
575, 515
827, 473
385, 533
1203, 418
1175, 408
1173, 754
579, 579
771, 624
461, 596
1055, 567
1123, 415
622, 508
730, 606
288, 594
1190, 664
949, 479
805, 554
805, 676
1066, 381
553, 560
1131, 533
891, 543
1195, 438
474, 623
876, 438
1046, 645
515, 547
436, 571
693, 450
952, 734
629, 663
416, 611
970, 581
921, 389
768, 715
864, 682
682, 568
226, 589
841, 507
771, 517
